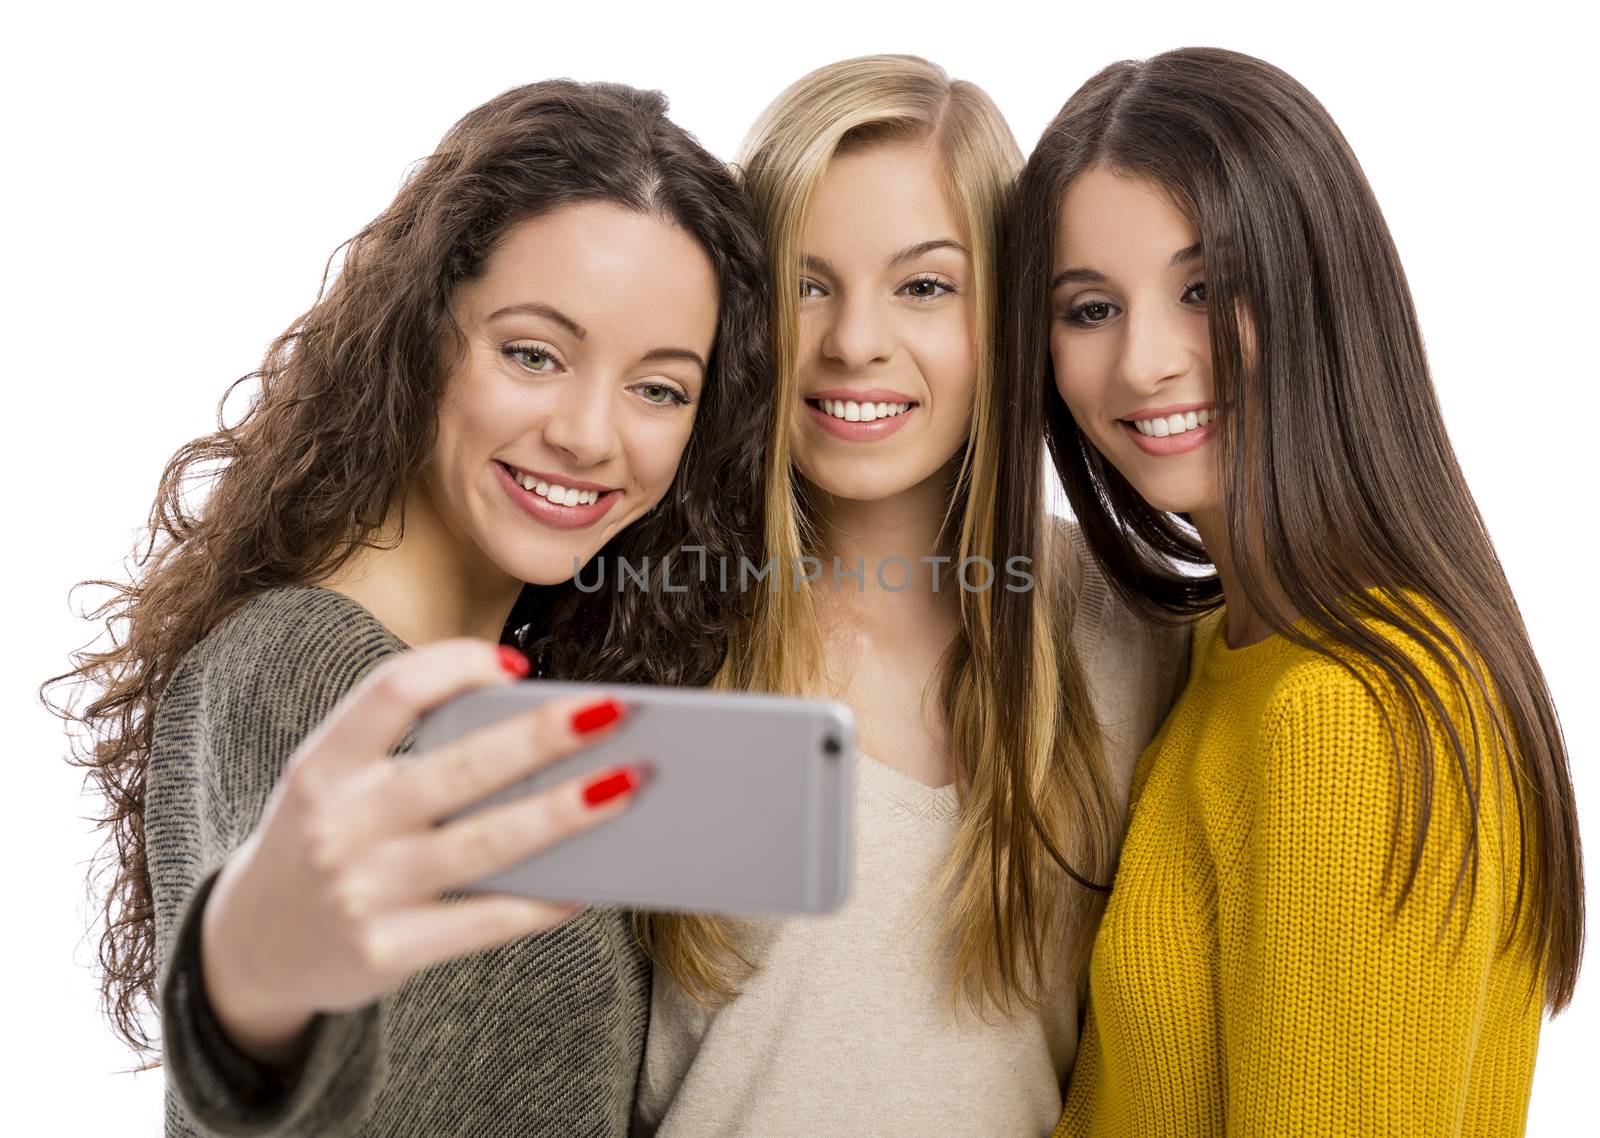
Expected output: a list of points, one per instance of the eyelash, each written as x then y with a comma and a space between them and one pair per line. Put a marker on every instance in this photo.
1075, 314
945, 286
512, 351
675, 396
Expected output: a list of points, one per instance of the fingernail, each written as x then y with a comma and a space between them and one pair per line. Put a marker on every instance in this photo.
513, 661
596, 715
613, 784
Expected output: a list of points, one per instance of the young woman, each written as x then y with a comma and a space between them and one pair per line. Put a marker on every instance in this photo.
1351, 879
942, 998
553, 342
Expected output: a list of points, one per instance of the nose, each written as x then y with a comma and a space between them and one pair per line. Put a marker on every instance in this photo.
583, 423
1156, 347
858, 333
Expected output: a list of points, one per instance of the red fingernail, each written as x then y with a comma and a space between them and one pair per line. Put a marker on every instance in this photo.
608, 786
596, 716
513, 661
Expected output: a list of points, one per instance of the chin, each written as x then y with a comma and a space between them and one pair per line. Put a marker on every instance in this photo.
1170, 499
858, 485
871, 478
550, 564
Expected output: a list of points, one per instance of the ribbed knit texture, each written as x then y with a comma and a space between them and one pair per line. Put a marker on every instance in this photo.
1252, 975
543, 1036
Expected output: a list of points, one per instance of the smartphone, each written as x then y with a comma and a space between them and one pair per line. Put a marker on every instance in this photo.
747, 808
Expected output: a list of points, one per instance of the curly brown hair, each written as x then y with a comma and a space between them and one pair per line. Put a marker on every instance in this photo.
344, 419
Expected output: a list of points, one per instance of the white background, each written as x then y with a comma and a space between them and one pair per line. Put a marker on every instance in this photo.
175, 180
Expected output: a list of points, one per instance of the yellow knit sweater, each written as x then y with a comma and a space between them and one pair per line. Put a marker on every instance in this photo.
1252, 975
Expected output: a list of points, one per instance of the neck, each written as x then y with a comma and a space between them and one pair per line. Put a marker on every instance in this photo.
1246, 624
425, 582
872, 534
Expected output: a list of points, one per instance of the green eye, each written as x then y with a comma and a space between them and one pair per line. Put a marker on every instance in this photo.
659, 394
533, 359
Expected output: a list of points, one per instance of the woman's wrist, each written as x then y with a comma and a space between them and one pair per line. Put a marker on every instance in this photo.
264, 1030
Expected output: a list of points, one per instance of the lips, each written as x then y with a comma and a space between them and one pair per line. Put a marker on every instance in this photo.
541, 506
860, 414
1160, 422
1172, 430
858, 430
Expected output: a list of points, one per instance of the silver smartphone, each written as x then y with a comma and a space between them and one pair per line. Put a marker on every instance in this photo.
747, 808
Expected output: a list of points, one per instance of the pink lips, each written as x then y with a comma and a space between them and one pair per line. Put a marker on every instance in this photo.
541, 509
860, 432
1171, 444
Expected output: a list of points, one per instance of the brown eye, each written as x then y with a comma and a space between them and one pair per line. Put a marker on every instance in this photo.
1091, 312
926, 288
1195, 293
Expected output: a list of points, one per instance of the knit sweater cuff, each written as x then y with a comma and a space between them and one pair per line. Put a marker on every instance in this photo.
227, 1093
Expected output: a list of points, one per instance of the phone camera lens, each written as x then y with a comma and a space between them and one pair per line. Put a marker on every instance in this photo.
831, 746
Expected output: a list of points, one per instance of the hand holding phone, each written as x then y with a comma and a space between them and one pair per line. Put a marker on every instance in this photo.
748, 808
333, 900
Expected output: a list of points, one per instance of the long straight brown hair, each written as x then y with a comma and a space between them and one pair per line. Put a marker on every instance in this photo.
1333, 450
1038, 808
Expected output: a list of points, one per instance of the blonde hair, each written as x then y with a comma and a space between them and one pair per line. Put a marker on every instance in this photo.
1029, 769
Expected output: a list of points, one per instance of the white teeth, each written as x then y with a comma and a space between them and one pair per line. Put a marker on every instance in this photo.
853, 412
1175, 424
556, 493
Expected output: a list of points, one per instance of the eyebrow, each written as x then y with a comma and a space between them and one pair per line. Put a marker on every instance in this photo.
552, 314
654, 355
909, 253
1081, 275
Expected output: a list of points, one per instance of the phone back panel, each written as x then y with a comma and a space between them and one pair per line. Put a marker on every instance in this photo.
747, 807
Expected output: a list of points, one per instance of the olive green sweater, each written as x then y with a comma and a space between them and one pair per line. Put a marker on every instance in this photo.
541, 1036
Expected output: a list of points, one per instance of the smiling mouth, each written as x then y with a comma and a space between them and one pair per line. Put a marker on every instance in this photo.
852, 411
554, 492
1178, 423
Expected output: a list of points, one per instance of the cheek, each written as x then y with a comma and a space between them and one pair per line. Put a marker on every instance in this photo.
810, 329
482, 408
655, 445
452, 430
1073, 374
947, 356
799, 443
